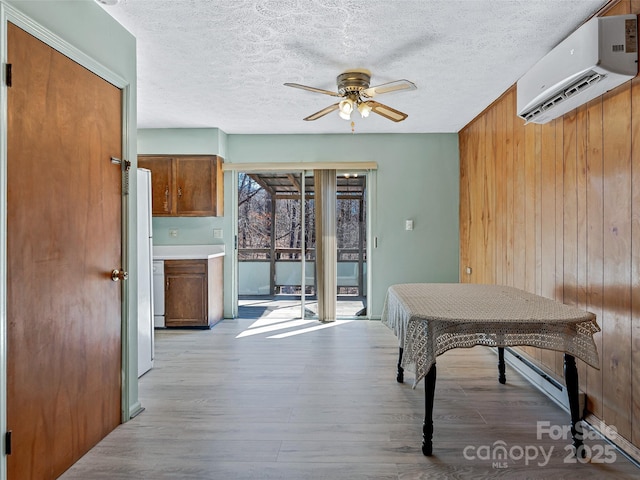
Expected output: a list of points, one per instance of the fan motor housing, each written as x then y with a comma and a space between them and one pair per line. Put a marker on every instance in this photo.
353, 81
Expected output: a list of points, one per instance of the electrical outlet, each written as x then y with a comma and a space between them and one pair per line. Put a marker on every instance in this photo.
173, 232
217, 233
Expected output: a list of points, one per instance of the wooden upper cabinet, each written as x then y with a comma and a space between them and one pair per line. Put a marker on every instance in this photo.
161, 183
185, 185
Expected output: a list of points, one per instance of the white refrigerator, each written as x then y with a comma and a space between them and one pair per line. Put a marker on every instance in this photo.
145, 273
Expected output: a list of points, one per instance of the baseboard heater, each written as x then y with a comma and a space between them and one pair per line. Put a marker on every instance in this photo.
540, 379
557, 392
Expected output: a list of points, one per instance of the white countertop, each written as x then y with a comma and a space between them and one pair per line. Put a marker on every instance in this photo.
187, 252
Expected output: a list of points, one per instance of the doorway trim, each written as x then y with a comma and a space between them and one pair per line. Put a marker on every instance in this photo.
129, 348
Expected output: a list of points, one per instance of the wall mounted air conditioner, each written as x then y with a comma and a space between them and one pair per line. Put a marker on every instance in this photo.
598, 56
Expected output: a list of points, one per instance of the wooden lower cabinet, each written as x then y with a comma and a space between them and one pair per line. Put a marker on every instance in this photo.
193, 292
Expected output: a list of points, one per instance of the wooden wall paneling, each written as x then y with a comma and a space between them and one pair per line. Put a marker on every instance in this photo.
570, 210
529, 207
519, 205
538, 219
479, 205
581, 222
509, 119
574, 183
476, 204
559, 217
616, 348
570, 217
489, 198
531, 152
475, 175
595, 252
548, 223
621, 8
500, 192
635, 260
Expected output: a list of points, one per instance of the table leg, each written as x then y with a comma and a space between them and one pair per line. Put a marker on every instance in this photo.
502, 378
400, 375
427, 428
571, 380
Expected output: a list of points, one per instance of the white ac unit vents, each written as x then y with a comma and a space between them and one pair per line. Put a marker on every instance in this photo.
597, 57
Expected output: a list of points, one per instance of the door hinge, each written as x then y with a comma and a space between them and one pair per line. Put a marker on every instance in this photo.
7, 443
7, 74
126, 164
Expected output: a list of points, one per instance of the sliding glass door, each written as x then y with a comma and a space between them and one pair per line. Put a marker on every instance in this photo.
278, 250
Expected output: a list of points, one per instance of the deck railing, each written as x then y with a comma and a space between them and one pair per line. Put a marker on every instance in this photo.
264, 273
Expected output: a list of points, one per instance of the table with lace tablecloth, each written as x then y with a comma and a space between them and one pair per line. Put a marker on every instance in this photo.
431, 318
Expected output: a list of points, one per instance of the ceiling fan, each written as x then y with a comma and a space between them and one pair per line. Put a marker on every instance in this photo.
354, 89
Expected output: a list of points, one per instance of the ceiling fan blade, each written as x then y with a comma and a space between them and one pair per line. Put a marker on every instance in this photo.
312, 89
386, 112
323, 112
388, 88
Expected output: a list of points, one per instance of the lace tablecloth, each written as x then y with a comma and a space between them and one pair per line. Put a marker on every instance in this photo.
431, 318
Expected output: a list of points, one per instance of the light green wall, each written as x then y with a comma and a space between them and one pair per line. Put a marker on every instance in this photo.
85, 26
417, 178
181, 141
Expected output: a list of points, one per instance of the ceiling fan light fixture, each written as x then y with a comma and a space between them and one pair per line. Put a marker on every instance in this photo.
364, 108
346, 106
354, 89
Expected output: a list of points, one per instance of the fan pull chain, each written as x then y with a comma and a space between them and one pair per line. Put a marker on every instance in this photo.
353, 127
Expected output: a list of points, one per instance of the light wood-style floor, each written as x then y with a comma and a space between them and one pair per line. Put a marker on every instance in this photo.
324, 404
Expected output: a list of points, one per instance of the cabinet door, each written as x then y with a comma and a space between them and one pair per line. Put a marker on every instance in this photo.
195, 186
186, 293
163, 192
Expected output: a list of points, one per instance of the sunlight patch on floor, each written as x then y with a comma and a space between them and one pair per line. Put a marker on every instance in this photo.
310, 329
265, 325
270, 328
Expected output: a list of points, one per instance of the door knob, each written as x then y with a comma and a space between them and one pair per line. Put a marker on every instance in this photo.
117, 275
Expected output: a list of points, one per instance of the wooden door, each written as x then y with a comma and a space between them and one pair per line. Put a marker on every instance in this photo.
195, 183
162, 189
63, 239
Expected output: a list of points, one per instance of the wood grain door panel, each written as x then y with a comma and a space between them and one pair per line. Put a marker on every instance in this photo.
63, 239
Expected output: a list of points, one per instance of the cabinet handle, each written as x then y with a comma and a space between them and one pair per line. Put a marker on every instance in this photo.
179, 192
167, 286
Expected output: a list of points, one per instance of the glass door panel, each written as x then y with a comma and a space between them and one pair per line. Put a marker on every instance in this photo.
351, 243
271, 236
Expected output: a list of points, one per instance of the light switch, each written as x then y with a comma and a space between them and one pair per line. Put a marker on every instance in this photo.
217, 233
468, 269
408, 225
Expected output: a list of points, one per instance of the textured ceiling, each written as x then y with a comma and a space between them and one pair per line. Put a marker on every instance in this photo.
222, 63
